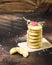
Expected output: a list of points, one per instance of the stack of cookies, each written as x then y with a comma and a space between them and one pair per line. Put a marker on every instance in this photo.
34, 35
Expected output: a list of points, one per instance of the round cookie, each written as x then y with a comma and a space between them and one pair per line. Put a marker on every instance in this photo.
35, 47
35, 38
33, 34
34, 31
34, 41
34, 44
37, 28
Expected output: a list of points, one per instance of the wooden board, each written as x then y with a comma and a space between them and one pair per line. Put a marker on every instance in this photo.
19, 5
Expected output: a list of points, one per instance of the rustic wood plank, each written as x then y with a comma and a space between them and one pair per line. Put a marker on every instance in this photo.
21, 5
49, 1
45, 8
15, 6
18, 5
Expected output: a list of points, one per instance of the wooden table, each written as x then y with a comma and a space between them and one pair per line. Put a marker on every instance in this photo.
43, 57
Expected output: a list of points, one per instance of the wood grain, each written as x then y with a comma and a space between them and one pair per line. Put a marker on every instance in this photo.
19, 5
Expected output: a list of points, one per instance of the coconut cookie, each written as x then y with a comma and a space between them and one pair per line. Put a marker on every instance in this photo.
34, 35
19, 50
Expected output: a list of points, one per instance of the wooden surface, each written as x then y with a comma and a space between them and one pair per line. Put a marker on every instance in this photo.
43, 57
44, 8
49, 1
20, 6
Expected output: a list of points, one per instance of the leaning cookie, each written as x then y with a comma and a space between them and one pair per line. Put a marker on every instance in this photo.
20, 51
14, 50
